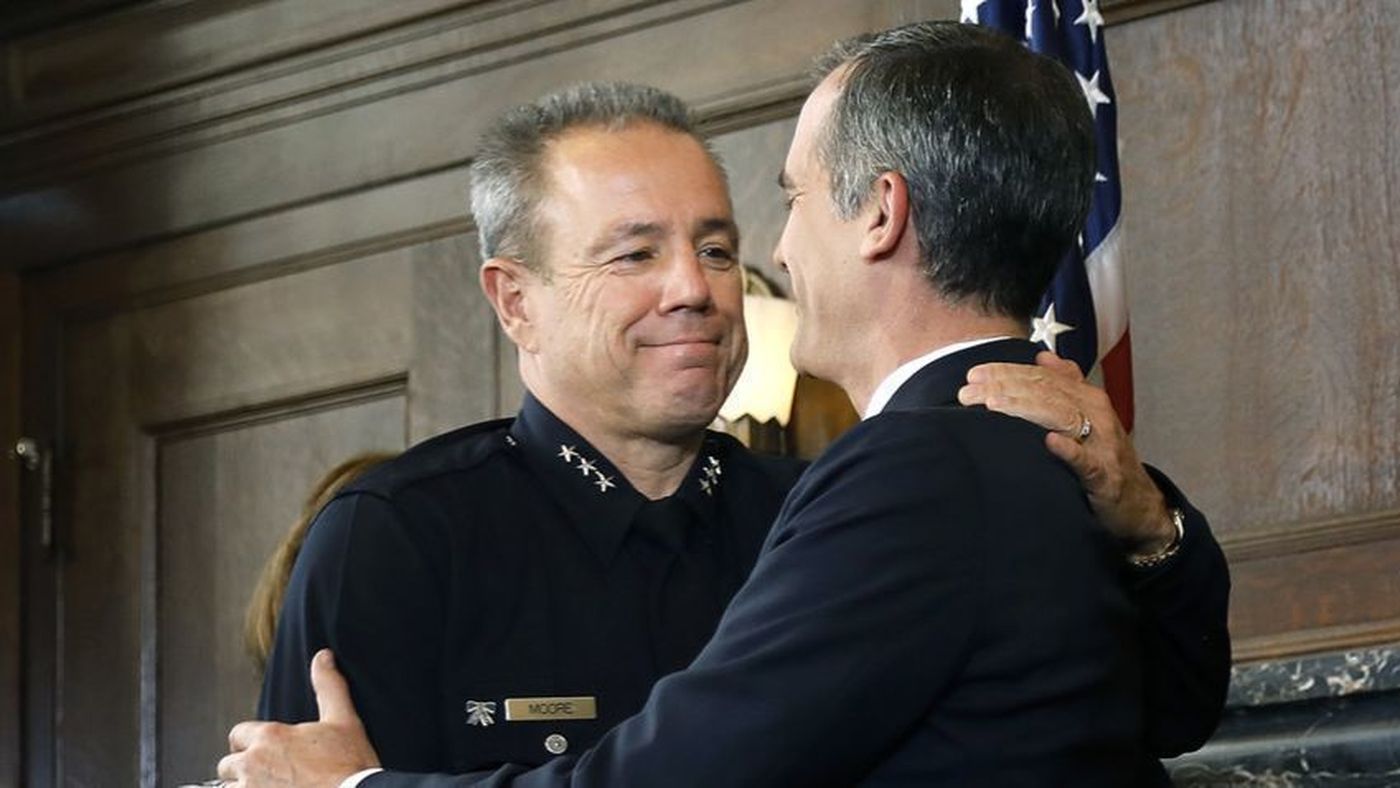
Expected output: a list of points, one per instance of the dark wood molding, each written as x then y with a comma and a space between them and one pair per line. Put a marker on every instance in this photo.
1309, 537
321, 78
1320, 639
272, 410
1116, 12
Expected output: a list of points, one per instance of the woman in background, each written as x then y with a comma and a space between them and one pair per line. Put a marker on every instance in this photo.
260, 622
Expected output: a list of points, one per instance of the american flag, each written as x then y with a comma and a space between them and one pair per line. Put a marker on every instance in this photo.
1084, 314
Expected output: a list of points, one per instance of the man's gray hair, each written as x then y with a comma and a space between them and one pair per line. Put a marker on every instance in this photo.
507, 176
995, 143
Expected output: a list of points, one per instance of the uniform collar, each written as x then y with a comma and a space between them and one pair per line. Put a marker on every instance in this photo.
598, 499
938, 382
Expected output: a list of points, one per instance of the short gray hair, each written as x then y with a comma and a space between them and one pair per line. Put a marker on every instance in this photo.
995, 143
507, 179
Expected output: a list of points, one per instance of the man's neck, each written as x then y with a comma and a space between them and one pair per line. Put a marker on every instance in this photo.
654, 466
901, 340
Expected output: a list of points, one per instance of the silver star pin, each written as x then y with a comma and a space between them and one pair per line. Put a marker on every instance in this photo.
708, 486
604, 483
567, 452
481, 712
510, 440
585, 467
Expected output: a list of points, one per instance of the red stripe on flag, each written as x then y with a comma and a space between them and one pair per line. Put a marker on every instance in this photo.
1117, 367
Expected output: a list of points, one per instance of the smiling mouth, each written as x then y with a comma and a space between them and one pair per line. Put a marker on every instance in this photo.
683, 342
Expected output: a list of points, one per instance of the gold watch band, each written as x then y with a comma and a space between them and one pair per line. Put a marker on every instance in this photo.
1162, 556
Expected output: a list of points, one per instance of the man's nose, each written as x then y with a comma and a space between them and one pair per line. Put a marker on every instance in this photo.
779, 261
686, 285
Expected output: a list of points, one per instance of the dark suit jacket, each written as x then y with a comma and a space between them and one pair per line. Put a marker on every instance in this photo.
934, 605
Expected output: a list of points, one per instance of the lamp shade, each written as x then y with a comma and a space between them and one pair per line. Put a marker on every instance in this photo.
765, 387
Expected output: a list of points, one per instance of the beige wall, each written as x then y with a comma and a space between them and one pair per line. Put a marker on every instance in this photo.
241, 235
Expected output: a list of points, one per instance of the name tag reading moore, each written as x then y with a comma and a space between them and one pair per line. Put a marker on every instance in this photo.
583, 707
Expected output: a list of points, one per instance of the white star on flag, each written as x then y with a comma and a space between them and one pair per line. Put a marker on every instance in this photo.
1046, 328
1087, 291
1092, 18
1092, 93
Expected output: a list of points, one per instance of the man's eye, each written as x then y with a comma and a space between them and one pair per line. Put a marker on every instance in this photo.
638, 256
718, 254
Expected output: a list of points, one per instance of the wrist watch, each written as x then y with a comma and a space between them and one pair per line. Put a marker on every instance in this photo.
1162, 556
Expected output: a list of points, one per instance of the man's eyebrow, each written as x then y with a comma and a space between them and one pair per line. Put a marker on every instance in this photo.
624, 231
717, 224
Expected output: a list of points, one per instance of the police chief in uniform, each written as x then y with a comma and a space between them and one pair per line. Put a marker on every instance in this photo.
507, 592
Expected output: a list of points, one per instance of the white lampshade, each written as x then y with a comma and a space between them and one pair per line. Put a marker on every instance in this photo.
765, 388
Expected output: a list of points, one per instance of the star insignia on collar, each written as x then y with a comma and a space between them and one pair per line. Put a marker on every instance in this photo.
510, 440
604, 483
712, 471
585, 467
568, 453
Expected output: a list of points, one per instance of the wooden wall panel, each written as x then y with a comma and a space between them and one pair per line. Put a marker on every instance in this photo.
456, 377
366, 142
75, 67
275, 339
1261, 180
97, 634
229, 492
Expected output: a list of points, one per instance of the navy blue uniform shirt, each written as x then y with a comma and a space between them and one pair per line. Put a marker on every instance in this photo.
506, 560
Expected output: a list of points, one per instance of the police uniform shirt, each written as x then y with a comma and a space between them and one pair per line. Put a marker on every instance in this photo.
501, 594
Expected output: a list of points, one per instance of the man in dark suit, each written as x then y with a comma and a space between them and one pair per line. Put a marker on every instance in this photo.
935, 603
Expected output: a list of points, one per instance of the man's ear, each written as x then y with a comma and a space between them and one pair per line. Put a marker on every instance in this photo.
505, 281
887, 217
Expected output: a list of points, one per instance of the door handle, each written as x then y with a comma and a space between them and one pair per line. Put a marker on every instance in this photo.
32, 456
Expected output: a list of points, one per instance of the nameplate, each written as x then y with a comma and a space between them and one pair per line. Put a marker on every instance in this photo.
584, 707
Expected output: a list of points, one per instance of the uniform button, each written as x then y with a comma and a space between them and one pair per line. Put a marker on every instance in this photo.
556, 744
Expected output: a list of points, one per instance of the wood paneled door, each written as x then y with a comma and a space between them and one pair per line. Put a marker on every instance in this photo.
192, 429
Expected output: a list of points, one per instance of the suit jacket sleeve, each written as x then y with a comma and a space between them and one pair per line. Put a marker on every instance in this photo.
867, 589
1186, 648
362, 588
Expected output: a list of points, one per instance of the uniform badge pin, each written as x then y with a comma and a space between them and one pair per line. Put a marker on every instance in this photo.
481, 712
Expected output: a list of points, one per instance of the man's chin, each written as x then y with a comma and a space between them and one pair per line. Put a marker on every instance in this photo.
686, 413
